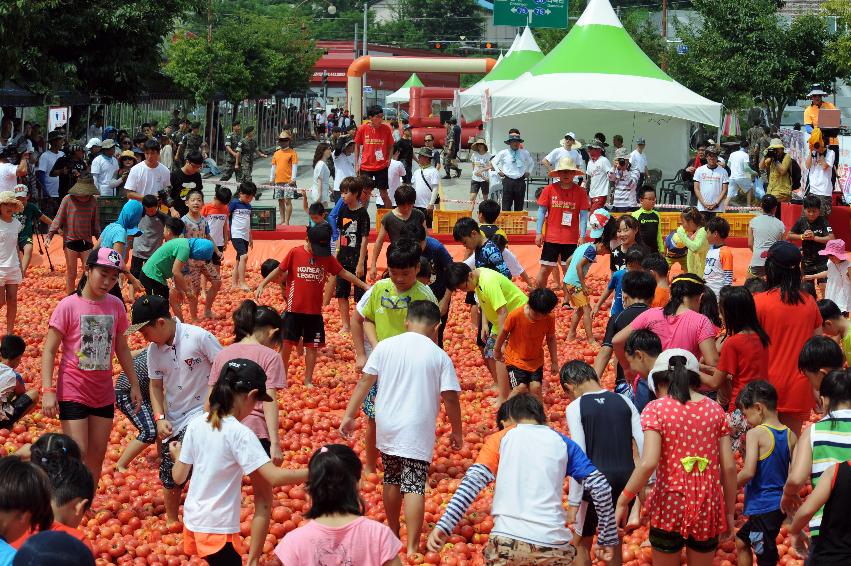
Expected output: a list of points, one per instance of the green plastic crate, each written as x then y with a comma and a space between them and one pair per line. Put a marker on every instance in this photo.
108, 209
264, 218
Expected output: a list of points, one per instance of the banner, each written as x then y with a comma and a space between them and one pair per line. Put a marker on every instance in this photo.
844, 167
57, 116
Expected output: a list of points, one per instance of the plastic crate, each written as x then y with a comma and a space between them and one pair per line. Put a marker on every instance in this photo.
264, 218
738, 222
108, 209
444, 220
379, 214
514, 222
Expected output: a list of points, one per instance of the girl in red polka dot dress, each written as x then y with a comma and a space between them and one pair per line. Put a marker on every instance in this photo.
687, 443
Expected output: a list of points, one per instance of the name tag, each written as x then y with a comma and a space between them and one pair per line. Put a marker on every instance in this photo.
379, 155
566, 218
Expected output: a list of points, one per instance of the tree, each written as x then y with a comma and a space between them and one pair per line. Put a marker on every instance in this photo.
251, 56
839, 48
108, 50
743, 52
416, 22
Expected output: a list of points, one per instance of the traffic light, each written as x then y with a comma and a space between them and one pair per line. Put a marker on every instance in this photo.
439, 45
488, 45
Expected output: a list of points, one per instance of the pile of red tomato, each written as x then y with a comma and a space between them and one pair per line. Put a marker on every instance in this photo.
127, 525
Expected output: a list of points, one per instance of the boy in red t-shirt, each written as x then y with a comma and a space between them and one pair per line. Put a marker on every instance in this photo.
373, 150
305, 269
560, 204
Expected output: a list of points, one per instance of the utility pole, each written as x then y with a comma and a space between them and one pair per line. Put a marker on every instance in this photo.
664, 19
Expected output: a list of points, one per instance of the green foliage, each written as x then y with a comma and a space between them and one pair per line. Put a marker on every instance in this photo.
108, 49
744, 52
839, 48
416, 22
251, 56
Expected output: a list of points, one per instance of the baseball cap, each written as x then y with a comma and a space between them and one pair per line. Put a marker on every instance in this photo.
663, 363
570, 135
106, 257
53, 547
244, 376
147, 309
640, 141
319, 237
22, 191
107, 144
784, 254
597, 222
200, 249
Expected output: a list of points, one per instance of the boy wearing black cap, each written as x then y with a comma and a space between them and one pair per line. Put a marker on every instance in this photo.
179, 360
306, 269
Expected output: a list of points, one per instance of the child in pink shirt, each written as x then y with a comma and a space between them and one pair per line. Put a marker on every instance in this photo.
338, 532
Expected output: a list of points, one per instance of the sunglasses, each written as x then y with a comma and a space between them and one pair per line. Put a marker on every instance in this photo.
428, 140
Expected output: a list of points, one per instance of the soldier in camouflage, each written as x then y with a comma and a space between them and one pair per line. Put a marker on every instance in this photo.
245, 153
231, 145
191, 142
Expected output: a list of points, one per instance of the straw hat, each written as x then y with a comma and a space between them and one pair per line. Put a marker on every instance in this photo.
479, 141
565, 164
284, 135
84, 187
776, 143
8, 197
127, 154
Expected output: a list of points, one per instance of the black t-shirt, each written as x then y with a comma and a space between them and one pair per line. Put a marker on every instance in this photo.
69, 180
618, 323
617, 259
809, 248
406, 152
353, 226
181, 184
648, 231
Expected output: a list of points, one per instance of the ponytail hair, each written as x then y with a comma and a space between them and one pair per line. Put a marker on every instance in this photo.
682, 286
237, 377
52, 451
681, 380
250, 317
836, 386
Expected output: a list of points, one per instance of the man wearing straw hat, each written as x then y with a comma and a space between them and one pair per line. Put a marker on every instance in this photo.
569, 148
283, 174
561, 204
514, 164
778, 164
480, 157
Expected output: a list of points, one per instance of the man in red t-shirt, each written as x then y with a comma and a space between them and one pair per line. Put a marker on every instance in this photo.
306, 268
373, 149
560, 203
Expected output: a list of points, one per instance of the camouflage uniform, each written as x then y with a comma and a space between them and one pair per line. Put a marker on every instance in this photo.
247, 148
232, 140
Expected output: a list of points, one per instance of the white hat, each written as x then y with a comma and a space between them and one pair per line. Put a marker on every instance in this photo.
22, 190
92, 143
663, 363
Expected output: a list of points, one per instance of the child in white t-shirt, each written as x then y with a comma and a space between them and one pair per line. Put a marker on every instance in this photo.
218, 450
338, 533
838, 274
413, 374
10, 267
394, 175
481, 160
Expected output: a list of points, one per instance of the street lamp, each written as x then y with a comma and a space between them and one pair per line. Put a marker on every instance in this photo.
325, 86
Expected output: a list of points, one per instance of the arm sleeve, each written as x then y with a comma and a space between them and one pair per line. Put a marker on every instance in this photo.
542, 215
577, 433
601, 495
59, 219
187, 449
478, 476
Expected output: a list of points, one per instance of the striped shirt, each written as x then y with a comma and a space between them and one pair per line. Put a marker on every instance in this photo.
529, 464
78, 220
830, 439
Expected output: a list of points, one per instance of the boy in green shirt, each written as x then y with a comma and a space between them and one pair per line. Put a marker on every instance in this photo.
497, 296
381, 314
168, 262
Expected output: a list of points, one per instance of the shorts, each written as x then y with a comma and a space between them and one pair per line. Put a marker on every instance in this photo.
597, 202
285, 191
73, 411
506, 551
320, 129
308, 327
217, 261
24, 243
136, 265
738, 428
20, 406
476, 186
10, 276
368, 405
166, 461
759, 533
578, 298
143, 420
672, 543
241, 247
518, 376
197, 269
586, 517
550, 253
409, 474
344, 289
380, 178
349, 262
78, 246
489, 346
757, 271
267, 445
153, 287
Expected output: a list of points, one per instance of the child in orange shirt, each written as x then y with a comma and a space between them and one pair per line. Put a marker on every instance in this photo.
216, 213
656, 264
525, 330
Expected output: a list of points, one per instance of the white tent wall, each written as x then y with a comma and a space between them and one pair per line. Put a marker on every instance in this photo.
667, 138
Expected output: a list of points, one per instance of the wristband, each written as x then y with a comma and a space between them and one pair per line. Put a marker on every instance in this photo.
628, 494
44, 389
160, 417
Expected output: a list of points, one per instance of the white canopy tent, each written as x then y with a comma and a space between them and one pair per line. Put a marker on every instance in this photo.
403, 95
598, 80
522, 56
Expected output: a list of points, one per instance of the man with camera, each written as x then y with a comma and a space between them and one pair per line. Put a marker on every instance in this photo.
778, 164
820, 165
624, 180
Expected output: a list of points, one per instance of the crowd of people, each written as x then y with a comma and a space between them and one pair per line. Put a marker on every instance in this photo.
704, 368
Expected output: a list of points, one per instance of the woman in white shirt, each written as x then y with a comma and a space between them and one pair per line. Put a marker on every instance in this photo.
321, 176
344, 162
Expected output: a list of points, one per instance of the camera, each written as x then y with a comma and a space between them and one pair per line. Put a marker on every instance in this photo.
165, 198
621, 161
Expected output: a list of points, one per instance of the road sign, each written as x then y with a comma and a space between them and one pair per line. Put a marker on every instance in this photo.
367, 89
682, 49
535, 13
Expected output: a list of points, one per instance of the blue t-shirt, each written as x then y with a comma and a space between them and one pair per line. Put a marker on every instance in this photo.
587, 251
332, 219
7, 553
437, 254
113, 233
616, 284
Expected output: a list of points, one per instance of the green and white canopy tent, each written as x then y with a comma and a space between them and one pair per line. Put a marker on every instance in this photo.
598, 80
522, 56
403, 95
